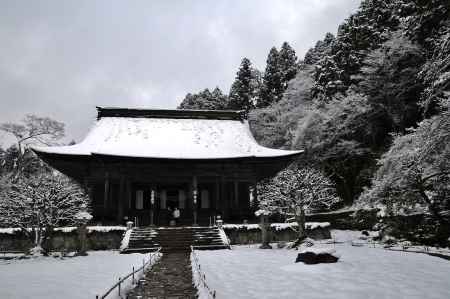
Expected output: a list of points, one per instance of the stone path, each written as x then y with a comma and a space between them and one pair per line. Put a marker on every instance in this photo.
170, 278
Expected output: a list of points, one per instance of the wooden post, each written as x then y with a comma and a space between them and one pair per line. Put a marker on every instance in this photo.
236, 194
121, 199
223, 198
152, 206
105, 197
194, 199
217, 203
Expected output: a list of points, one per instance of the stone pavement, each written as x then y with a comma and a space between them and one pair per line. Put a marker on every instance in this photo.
170, 278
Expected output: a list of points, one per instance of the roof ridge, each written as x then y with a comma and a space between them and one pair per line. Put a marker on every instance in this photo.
171, 113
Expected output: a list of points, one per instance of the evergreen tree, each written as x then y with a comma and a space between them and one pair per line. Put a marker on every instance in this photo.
2, 161
272, 89
287, 62
320, 50
242, 93
205, 100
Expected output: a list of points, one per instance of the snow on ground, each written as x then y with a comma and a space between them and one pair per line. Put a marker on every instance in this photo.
362, 272
68, 278
277, 226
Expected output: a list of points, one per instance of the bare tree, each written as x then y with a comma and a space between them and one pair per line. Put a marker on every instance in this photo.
33, 130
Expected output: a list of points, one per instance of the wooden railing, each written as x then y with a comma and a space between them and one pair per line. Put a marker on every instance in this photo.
154, 256
202, 277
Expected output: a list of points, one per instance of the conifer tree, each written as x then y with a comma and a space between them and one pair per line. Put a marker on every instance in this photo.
242, 92
205, 100
287, 62
272, 89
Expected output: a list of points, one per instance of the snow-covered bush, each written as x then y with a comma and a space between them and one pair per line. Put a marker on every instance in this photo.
43, 202
294, 191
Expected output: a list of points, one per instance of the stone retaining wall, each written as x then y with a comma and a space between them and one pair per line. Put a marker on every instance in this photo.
65, 239
251, 233
418, 228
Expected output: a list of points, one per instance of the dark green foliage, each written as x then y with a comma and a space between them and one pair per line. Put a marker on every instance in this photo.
361, 32
10, 158
287, 62
280, 69
425, 18
272, 89
434, 74
320, 50
389, 81
242, 93
205, 100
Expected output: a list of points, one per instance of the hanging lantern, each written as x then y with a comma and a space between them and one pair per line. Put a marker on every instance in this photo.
250, 195
195, 192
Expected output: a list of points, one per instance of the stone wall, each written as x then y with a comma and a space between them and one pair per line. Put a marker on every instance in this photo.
64, 239
250, 234
418, 228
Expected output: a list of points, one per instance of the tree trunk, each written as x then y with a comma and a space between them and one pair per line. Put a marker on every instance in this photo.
82, 239
47, 240
265, 232
300, 219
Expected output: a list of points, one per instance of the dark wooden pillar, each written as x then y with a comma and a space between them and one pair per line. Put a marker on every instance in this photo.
223, 198
236, 193
194, 199
217, 203
152, 204
121, 200
105, 196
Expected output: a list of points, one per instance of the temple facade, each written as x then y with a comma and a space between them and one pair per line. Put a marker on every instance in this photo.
139, 164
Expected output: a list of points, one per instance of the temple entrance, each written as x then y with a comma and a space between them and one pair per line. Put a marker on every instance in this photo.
148, 202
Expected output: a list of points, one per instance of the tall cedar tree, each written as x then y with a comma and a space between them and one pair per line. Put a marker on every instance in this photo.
287, 62
272, 89
241, 92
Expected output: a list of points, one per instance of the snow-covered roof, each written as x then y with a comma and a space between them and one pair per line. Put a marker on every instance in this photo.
166, 135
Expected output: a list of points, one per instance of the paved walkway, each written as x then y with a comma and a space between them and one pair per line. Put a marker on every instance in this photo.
170, 278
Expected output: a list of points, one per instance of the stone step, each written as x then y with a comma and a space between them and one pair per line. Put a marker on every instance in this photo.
175, 239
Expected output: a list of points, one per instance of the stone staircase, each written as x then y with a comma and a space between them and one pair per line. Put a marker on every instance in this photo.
174, 239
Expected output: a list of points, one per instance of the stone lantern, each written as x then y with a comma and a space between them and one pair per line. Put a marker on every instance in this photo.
265, 226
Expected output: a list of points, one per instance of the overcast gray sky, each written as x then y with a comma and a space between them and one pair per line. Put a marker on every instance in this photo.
62, 58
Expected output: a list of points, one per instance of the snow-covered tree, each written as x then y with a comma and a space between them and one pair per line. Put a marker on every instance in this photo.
389, 79
242, 91
287, 62
38, 204
436, 73
294, 191
33, 130
414, 175
205, 100
272, 89
320, 50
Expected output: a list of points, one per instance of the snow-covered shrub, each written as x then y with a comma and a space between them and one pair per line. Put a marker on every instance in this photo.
41, 203
295, 191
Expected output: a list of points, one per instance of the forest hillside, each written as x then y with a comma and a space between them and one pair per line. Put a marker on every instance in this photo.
369, 104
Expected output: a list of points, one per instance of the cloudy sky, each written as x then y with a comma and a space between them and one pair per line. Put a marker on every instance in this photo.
63, 58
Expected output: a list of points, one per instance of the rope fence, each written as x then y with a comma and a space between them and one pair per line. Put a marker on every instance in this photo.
201, 275
153, 257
